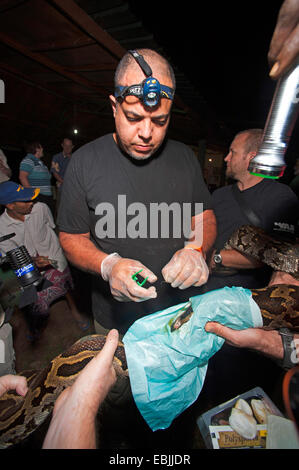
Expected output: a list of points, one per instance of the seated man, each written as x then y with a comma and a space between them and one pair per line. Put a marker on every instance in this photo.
33, 226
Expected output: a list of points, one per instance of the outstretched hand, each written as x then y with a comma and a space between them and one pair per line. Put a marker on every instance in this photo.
264, 341
41, 261
13, 382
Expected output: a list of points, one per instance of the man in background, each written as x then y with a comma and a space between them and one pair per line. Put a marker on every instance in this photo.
61, 160
59, 165
250, 200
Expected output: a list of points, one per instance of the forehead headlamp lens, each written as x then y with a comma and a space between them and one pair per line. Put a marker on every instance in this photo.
151, 91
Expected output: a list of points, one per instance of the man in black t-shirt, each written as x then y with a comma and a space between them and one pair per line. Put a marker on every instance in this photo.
127, 199
274, 207
233, 371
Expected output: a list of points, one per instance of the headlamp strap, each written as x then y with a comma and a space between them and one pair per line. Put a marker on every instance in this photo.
154, 90
141, 62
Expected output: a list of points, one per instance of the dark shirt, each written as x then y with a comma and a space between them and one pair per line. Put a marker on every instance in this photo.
102, 184
60, 164
276, 206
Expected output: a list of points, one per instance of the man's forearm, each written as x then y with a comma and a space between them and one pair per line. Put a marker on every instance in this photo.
58, 177
209, 230
234, 259
23, 177
81, 252
80, 432
6, 171
204, 230
270, 344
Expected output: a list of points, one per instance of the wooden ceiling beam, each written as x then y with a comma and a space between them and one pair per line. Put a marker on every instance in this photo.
91, 68
89, 26
50, 64
65, 44
82, 19
6, 117
45, 87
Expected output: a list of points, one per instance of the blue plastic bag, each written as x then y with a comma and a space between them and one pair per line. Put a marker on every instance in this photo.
167, 366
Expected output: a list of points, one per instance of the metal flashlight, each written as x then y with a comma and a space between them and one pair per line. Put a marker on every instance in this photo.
269, 161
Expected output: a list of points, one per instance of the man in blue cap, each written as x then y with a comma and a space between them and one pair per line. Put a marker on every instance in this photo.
13, 192
33, 226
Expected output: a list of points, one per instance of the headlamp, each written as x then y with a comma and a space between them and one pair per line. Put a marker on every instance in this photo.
150, 91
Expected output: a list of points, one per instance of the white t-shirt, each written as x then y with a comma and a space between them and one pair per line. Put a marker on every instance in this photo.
35, 233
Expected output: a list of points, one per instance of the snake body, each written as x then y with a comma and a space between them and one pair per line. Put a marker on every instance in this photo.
255, 242
20, 416
279, 305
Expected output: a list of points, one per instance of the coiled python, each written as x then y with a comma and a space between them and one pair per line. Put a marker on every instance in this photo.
279, 303
255, 242
19, 417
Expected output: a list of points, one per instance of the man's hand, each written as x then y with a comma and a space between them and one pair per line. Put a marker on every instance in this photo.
73, 421
186, 268
119, 271
266, 342
41, 261
280, 277
284, 45
13, 382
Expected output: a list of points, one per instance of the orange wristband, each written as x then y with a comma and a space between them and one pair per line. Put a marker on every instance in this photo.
194, 247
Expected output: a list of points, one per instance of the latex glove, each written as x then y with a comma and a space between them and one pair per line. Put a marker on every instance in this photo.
119, 271
186, 268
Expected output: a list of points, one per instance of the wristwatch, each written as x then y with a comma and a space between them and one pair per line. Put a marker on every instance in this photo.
290, 358
217, 258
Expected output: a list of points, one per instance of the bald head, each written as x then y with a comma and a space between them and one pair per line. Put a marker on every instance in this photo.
252, 140
141, 129
128, 66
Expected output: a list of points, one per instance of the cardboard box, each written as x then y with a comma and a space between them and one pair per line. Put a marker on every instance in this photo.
218, 434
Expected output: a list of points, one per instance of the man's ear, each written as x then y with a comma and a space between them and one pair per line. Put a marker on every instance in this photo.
113, 103
10, 206
251, 155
